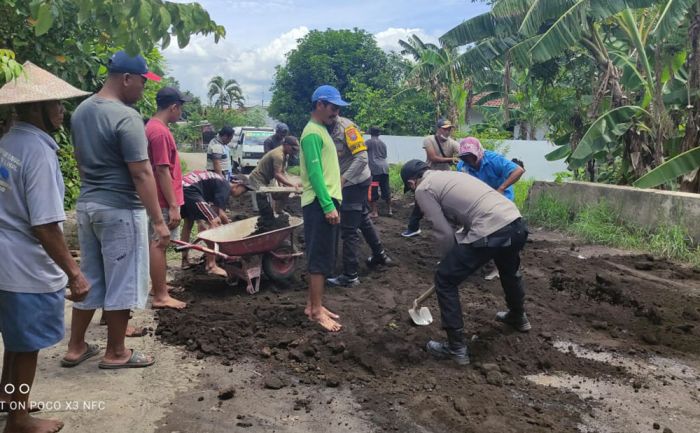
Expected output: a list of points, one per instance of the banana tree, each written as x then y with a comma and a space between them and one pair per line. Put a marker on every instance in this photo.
435, 69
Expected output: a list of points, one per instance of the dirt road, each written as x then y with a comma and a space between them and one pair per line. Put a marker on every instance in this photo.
614, 347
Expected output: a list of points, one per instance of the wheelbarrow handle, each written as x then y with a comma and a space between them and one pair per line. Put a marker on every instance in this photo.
419, 300
187, 246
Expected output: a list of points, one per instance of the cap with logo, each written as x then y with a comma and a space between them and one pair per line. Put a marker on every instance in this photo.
412, 169
329, 94
470, 146
241, 179
170, 95
444, 123
122, 63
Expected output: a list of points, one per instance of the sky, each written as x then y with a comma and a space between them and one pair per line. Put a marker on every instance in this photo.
260, 32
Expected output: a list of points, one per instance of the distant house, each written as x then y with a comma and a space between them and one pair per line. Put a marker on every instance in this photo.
490, 102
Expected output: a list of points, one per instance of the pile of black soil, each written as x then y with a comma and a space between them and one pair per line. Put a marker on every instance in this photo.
271, 223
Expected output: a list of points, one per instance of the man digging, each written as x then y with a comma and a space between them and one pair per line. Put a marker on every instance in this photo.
491, 228
206, 199
272, 167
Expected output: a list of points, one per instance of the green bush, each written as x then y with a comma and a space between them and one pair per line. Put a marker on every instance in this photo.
395, 182
521, 189
69, 168
600, 223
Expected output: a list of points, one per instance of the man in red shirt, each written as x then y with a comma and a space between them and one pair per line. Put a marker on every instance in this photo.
162, 151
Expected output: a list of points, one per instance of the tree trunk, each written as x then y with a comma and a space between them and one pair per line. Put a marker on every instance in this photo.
506, 91
533, 131
691, 181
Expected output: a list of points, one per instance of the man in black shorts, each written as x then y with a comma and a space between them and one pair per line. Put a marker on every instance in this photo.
378, 165
206, 198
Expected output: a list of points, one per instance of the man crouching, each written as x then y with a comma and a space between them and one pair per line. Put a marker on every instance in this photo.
492, 228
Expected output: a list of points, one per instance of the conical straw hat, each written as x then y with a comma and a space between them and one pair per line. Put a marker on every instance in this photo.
36, 84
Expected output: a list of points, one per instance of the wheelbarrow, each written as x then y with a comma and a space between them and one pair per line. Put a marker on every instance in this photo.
247, 257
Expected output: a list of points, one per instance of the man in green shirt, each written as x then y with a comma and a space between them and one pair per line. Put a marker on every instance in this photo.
320, 200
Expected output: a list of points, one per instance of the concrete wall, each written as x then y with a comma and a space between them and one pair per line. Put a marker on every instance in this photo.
647, 207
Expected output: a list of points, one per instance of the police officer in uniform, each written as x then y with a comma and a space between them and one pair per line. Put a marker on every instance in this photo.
356, 179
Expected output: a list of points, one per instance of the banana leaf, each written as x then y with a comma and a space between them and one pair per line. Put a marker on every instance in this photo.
607, 129
671, 169
560, 152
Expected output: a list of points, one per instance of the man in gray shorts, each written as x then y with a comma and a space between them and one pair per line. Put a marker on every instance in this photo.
117, 183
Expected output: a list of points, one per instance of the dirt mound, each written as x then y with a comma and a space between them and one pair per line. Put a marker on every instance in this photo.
379, 355
265, 225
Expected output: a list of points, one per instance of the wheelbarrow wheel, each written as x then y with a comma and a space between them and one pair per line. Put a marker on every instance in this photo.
279, 269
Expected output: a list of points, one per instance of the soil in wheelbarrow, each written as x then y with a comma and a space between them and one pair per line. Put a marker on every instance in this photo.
632, 305
268, 224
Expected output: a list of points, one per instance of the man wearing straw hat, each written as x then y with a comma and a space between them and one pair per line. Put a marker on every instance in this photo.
35, 274
117, 184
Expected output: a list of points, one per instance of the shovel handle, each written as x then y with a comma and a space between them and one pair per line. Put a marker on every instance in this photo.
419, 300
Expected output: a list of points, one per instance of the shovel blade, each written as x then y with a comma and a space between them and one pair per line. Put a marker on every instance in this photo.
421, 316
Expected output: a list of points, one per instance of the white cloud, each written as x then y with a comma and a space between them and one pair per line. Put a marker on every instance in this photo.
254, 68
388, 40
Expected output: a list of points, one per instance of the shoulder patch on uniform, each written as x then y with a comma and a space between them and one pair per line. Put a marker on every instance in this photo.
354, 140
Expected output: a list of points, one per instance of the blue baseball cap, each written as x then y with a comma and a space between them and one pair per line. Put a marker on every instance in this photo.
122, 63
329, 94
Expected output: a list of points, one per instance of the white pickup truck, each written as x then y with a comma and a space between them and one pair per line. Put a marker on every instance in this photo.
247, 147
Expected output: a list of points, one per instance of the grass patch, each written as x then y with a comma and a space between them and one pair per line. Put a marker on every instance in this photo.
521, 190
601, 224
395, 182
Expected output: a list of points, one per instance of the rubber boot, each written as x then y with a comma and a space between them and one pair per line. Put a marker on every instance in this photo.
515, 320
381, 259
454, 348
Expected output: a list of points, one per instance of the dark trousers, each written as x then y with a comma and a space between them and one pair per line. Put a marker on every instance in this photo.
463, 260
414, 219
354, 218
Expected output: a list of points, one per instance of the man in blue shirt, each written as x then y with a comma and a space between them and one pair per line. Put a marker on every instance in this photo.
490, 167
36, 274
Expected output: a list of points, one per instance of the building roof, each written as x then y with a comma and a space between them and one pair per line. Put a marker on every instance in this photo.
493, 103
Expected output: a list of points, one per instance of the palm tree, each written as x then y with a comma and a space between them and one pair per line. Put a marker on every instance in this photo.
226, 92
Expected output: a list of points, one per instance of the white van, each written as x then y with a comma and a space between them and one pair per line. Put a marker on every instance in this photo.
247, 147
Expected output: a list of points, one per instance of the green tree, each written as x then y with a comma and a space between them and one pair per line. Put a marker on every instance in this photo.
435, 69
73, 38
225, 93
334, 57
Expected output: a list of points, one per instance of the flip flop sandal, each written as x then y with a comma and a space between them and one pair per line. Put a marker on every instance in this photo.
90, 351
137, 360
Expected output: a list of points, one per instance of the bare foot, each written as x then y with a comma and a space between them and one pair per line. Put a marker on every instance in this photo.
374, 215
326, 322
28, 424
168, 302
324, 310
216, 270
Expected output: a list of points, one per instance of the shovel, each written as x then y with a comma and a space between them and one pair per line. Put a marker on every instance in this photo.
421, 315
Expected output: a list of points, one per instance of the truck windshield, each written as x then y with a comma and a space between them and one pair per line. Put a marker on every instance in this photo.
256, 137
